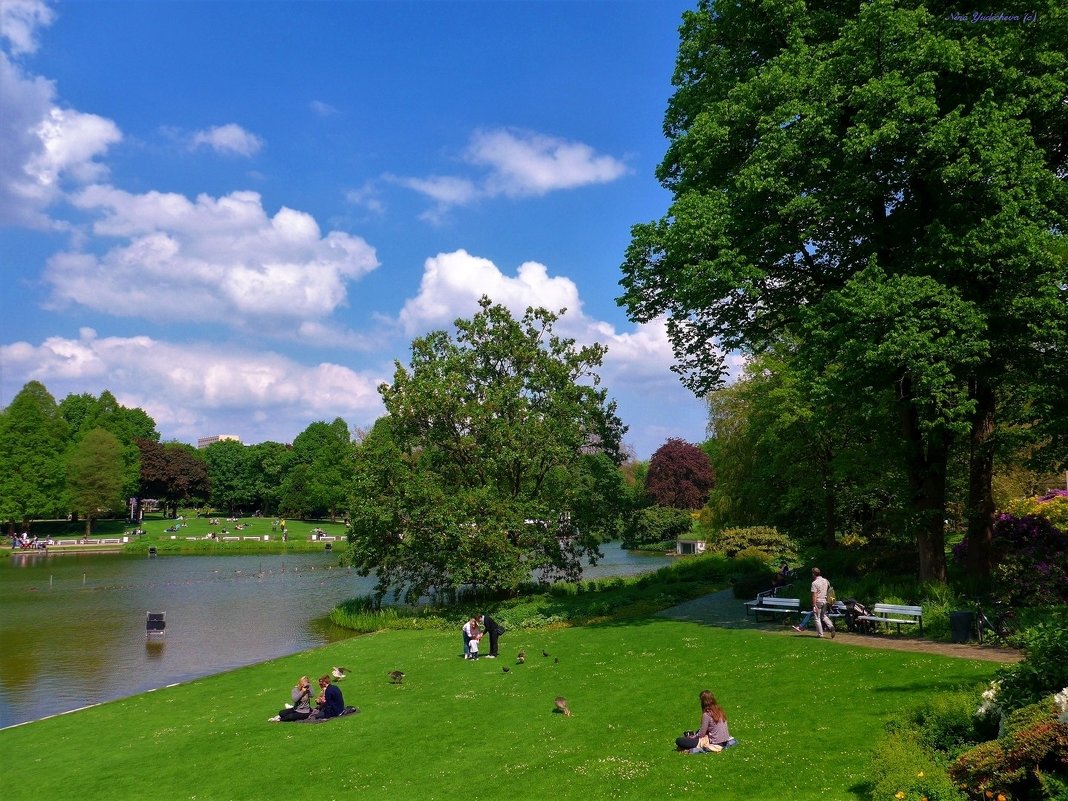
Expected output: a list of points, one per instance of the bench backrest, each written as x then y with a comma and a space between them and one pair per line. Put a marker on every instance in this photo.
785, 603
897, 609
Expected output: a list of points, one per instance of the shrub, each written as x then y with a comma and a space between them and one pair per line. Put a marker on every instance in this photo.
904, 769
768, 540
1032, 755
656, 524
1045, 669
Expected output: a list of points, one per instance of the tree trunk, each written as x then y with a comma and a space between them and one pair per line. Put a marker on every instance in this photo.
980, 482
88, 526
926, 467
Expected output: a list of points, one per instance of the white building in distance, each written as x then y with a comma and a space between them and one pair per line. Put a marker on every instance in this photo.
204, 442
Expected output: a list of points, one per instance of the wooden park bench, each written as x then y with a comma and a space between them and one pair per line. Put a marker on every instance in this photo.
776, 606
898, 614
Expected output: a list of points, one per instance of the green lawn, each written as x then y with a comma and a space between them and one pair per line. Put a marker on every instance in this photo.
805, 711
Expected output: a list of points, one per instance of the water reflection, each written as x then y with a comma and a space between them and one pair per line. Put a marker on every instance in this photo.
72, 626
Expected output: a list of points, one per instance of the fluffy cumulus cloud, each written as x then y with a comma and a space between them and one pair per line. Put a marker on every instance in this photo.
516, 164
19, 21
230, 139
191, 390
44, 149
524, 163
223, 260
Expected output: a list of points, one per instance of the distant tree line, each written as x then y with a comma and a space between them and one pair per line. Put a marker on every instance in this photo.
85, 457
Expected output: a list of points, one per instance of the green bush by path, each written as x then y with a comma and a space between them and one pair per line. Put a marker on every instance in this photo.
805, 711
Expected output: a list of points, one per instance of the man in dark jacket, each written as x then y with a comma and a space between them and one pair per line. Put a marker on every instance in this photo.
495, 630
330, 701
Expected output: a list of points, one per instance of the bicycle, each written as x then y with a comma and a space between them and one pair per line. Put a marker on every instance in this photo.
1002, 625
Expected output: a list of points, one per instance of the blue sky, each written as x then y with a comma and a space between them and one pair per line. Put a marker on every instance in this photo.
236, 216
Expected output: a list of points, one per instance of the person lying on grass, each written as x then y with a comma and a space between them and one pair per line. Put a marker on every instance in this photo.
713, 731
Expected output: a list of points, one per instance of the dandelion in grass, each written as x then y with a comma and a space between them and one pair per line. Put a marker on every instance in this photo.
899, 794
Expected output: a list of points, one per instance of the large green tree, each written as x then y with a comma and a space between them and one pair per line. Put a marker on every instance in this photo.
320, 477
33, 438
83, 413
884, 184
230, 474
480, 475
174, 473
95, 476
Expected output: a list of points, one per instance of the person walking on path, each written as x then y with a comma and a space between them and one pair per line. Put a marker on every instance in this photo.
820, 585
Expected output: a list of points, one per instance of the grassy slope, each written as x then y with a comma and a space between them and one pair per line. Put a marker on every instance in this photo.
805, 712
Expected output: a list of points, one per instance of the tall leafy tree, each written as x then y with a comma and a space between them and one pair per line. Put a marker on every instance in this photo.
269, 464
884, 185
320, 478
33, 437
232, 486
478, 474
174, 473
84, 413
680, 475
95, 476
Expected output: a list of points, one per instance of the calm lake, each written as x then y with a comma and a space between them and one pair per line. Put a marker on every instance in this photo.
72, 627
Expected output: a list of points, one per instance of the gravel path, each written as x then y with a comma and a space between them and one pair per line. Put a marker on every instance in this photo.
723, 610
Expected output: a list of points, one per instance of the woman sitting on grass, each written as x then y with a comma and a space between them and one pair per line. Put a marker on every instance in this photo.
713, 727
301, 708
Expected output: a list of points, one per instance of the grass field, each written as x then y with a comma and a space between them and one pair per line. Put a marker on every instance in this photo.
805, 712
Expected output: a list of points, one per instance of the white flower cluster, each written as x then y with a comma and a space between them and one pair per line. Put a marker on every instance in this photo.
989, 705
1061, 699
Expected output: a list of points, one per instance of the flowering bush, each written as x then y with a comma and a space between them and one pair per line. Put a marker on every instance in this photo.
1032, 559
1029, 758
1053, 506
1044, 671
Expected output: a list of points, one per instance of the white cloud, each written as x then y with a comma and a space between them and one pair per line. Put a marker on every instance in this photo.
518, 164
43, 147
524, 163
221, 260
19, 21
322, 109
191, 390
453, 282
228, 139
366, 196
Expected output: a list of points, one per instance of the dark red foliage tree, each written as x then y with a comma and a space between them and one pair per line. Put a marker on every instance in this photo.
680, 475
174, 473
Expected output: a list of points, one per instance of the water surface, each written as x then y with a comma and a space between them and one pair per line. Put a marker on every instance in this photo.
72, 626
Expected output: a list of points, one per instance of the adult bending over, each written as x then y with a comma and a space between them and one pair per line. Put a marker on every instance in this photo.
713, 725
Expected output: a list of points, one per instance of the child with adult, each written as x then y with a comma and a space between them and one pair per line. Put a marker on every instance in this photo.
713, 729
471, 633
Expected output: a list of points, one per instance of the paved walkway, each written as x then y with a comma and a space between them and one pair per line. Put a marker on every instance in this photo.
723, 610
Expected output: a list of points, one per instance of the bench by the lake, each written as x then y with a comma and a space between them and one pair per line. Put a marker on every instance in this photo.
899, 614
776, 606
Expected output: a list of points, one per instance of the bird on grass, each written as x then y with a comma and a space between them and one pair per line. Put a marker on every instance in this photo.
544, 653
505, 668
339, 672
561, 707
519, 660
556, 660
395, 676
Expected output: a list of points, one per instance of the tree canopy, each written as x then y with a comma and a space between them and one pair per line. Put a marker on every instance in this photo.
882, 186
481, 473
95, 475
680, 475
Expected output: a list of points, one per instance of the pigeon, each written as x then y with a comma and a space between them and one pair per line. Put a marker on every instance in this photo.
339, 672
396, 676
519, 660
544, 653
505, 668
561, 706
556, 660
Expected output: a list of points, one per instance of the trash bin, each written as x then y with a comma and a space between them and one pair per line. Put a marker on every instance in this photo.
960, 624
